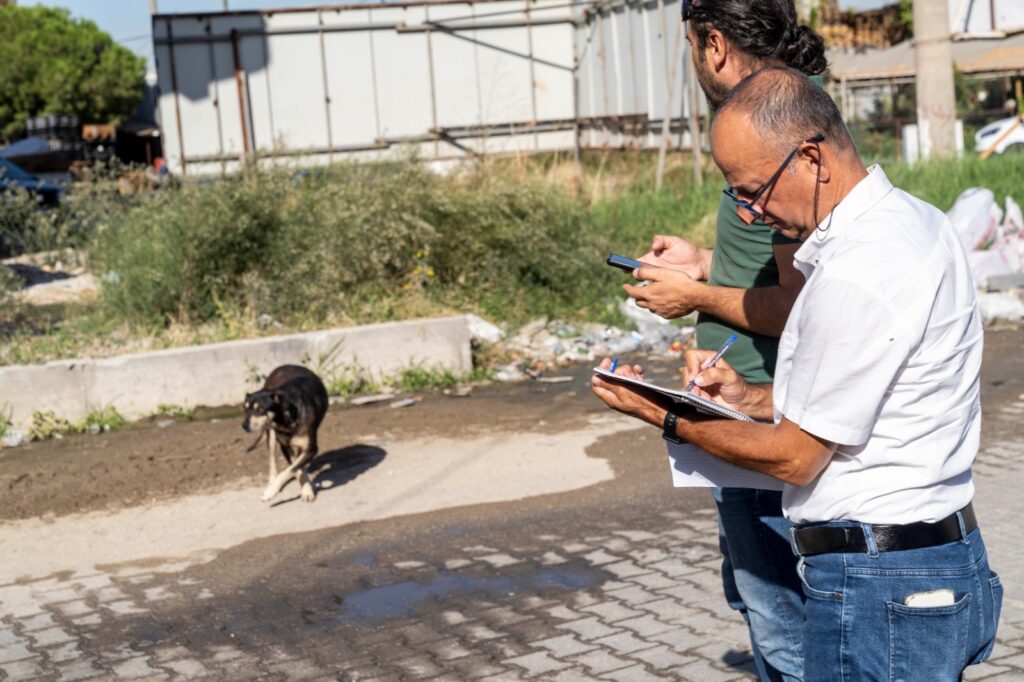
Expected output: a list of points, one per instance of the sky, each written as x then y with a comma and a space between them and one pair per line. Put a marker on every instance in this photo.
127, 21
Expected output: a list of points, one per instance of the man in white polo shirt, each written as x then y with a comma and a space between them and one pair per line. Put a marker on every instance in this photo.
875, 410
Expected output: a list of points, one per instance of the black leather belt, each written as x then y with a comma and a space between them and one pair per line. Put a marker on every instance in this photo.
888, 538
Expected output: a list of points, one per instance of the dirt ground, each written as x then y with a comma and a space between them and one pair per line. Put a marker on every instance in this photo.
146, 462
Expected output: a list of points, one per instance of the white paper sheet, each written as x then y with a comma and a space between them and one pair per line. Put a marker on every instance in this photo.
695, 468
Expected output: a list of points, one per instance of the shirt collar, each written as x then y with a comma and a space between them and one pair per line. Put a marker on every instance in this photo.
865, 194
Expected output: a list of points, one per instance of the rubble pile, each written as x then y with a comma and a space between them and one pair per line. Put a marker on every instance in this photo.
543, 345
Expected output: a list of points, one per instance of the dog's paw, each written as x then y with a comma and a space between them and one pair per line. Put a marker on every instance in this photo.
268, 495
308, 494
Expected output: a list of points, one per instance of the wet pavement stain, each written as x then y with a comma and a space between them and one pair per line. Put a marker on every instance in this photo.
401, 598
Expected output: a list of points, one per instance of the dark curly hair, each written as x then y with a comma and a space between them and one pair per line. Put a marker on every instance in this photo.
764, 29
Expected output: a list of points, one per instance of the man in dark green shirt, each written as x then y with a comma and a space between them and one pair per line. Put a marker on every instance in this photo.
745, 285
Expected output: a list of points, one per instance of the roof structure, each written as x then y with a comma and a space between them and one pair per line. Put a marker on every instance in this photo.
977, 57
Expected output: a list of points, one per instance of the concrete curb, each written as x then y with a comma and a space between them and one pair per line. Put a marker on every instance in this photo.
219, 374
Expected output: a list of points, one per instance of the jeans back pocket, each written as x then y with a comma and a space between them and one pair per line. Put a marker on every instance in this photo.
929, 643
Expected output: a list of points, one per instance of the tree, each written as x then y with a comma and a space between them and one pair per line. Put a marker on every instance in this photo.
53, 64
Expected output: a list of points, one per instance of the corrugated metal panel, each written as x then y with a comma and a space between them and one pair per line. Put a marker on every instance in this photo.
444, 78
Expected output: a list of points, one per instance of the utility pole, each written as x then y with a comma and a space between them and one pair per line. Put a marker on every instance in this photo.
936, 98
152, 7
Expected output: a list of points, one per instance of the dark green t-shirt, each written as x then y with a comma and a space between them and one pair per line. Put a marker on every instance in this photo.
743, 259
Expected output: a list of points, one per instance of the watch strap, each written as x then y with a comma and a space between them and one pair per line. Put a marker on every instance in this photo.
668, 428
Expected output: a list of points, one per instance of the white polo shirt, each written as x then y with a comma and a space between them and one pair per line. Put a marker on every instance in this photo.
881, 355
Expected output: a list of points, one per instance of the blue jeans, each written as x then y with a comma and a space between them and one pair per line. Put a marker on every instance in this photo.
858, 627
760, 580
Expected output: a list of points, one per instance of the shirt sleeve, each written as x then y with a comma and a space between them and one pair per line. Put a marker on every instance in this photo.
850, 349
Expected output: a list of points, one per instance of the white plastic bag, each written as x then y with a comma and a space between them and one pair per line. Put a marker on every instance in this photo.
975, 216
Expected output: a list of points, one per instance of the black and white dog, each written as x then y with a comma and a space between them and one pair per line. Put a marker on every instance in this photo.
287, 411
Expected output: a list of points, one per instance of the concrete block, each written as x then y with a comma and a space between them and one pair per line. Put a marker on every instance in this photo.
219, 374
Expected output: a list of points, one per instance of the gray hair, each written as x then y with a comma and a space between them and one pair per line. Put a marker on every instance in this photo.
785, 108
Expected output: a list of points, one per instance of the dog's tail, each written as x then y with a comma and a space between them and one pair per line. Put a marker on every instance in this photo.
259, 437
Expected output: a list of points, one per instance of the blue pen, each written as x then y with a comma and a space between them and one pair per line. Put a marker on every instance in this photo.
711, 361
615, 363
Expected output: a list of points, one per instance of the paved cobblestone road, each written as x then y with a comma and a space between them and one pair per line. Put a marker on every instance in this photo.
616, 582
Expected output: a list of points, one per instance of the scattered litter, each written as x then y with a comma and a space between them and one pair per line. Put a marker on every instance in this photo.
404, 402
164, 423
458, 392
14, 437
1006, 282
510, 373
482, 330
370, 399
554, 380
1000, 306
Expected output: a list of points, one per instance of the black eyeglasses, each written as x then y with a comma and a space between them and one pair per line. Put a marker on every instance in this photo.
747, 210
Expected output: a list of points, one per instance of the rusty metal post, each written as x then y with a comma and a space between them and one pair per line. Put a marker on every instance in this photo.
327, 91
533, 75
240, 83
433, 85
177, 101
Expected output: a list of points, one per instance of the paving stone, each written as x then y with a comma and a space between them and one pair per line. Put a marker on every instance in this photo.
601, 558
474, 667
477, 632
570, 675
500, 560
679, 639
298, 670
72, 609
588, 628
611, 611
600, 661
646, 625
703, 670
537, 663
49, 637
669, 610
636, 673
79, 670
14, 652
623, 643
662, 657
187, 667
446, 650
38, 622
134, 668
562, 613
66, 652
652, 581
633, 595
24, 669
566, 645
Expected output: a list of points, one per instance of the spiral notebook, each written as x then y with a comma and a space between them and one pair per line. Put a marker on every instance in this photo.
702, 405
692, 467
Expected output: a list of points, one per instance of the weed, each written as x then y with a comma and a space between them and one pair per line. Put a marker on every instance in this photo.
176, 411
104, 419
350, 379
6, 412
46, 425
418, 377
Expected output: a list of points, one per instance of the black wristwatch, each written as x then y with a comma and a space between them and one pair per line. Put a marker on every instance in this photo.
668, 428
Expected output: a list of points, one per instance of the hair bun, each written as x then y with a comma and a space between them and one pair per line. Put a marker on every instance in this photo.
804, 50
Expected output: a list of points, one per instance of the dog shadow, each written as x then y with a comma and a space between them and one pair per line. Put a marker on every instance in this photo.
335, 468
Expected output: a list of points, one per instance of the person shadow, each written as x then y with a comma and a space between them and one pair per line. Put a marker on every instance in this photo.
335, 468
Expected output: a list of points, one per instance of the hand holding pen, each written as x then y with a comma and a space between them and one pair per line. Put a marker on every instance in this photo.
711, 361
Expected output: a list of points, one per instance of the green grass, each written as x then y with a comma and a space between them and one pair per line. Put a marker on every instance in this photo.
512, 241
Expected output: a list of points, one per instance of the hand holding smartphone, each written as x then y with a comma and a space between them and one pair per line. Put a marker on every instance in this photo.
623, 263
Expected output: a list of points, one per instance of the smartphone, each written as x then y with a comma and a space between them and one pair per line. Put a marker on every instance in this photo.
623, 263
928, 599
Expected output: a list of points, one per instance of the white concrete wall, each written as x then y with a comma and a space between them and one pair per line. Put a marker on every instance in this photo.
218, 374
